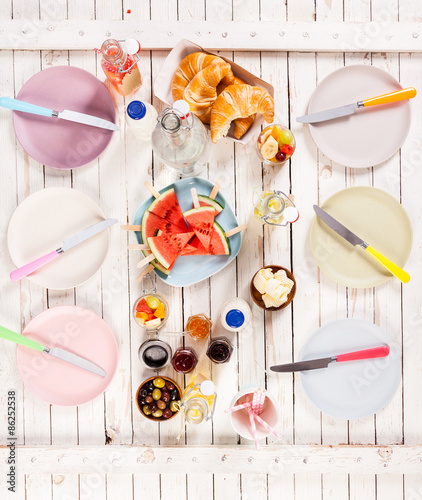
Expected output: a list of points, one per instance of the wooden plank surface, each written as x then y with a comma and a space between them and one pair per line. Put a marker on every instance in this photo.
260, 34
306, 36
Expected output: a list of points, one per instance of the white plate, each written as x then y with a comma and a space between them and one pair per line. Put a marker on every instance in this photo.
353, 389
371, 135
42, 222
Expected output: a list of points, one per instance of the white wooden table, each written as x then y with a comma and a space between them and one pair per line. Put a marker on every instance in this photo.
106, 449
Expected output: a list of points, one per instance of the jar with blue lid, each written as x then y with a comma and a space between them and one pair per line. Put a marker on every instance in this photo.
141, 117
235, 314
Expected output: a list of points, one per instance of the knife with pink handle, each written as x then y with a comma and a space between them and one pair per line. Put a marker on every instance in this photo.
87, 233
314, 364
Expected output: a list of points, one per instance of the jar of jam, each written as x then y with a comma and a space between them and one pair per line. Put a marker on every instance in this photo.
198, 326
220, 350
184, 360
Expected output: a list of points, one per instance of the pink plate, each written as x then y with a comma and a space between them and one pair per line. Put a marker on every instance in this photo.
77, 330
59, 143
369, 136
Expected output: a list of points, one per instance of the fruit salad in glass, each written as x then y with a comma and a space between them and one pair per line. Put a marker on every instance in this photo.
151, 311
276, 144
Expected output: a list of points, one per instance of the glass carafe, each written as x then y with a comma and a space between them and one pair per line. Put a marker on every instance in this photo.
180, 140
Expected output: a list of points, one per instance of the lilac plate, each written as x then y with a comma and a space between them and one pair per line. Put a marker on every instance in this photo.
59, 143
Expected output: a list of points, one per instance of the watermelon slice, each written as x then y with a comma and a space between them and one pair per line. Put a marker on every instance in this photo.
219, 244
150, 224
167, 247
206, 201
195, 247
167, 207
201, 221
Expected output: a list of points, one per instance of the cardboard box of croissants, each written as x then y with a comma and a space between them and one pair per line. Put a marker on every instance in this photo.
230, 100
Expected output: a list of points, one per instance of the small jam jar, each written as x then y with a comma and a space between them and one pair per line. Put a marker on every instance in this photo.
184, 360
220, 350
198, 326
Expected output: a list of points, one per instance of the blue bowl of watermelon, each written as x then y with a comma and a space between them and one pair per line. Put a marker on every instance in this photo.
191, 269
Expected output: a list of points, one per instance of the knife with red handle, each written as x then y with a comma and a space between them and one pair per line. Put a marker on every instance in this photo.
314, 364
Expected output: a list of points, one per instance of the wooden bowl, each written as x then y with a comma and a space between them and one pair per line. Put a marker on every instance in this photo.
257, 297
150, 417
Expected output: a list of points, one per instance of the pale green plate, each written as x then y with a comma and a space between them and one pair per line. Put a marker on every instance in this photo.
376, 217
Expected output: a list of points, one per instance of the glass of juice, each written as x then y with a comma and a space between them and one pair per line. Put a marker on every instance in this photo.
184, 360
220, 350
198, 326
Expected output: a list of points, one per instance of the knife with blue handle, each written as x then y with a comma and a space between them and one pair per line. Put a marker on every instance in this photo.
57, 352
72, 116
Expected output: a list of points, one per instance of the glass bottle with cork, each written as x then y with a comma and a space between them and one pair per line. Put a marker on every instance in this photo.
275, 208
119, 63
198, 400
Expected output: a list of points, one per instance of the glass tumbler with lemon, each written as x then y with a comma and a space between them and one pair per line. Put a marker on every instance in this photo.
275, 208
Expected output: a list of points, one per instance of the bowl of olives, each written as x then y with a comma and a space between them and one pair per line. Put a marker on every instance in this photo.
158, 398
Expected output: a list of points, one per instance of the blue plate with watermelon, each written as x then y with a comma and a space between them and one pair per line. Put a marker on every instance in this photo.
191, 269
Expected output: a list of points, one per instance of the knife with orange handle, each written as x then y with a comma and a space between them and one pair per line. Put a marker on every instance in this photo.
349, 109
345, 233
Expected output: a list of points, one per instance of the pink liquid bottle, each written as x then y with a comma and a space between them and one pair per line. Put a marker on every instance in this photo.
119, 63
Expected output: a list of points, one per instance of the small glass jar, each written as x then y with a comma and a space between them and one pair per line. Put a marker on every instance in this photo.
154, 354
146, 317
275, 145
275, 208
220, 350
198, 326
195, 410
184, 360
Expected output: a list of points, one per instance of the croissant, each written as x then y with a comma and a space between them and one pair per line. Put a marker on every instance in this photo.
201, 91
188, 68
239, 101
241, 125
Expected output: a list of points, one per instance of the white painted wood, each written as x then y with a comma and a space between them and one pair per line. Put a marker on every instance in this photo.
303, 459
115, 181
306, 36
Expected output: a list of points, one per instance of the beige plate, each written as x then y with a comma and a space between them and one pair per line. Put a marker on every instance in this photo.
42, 222
371, 135
377, 218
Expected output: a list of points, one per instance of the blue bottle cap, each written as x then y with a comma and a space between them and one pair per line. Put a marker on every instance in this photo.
136, 110
235, 318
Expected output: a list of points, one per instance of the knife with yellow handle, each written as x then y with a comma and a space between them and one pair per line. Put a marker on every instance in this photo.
345, 233
349, 109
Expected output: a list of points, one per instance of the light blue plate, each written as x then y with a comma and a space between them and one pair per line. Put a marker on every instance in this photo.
189, 270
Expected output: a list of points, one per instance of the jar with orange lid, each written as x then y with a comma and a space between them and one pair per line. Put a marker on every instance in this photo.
198, 326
